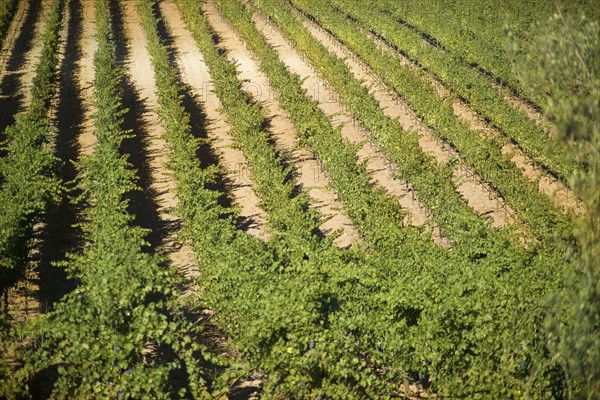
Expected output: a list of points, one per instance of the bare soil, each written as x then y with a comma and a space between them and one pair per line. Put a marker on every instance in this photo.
562, 196
195, 74
379, 168
85, 76
309, 173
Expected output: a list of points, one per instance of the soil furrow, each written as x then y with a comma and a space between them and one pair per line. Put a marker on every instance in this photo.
16, 72
379, 167
308, 172
85, 76
159, 182
562, 196
195, 74
476, 193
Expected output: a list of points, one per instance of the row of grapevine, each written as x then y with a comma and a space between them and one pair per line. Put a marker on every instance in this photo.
280, 300
476, 32
483, 155
432, 182
403, 148
312, 320
327, 314
288, 213
497, 256
370, 210
28, 172
467, 83
251, 285
428, 315
122, 332
469, 34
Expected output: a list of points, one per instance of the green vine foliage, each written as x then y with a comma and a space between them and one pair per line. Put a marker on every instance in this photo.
336, 338
482, 155
28, 172
122, 333
570, 75
470, 85
312, 320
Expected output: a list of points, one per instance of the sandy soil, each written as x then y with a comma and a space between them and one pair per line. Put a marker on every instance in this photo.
309, 173
379, 167
85, 76
195, 74
561, 195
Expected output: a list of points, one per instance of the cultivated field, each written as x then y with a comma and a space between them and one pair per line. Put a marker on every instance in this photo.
279, 199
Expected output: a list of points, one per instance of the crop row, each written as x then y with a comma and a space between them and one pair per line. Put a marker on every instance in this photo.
310, 321
288, 214
496, 275
470, 85
407, 307
476, 46
477, 33
315, 320
254, 286
28, 172
432, 182
483, 155
121, 333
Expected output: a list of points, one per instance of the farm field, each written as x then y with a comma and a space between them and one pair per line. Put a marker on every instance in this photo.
297, 199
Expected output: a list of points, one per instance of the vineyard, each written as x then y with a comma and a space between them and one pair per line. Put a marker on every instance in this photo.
297, 199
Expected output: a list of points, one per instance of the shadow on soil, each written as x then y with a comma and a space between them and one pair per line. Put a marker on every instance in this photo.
10, 86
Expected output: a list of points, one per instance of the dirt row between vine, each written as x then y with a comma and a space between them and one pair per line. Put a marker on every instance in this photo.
85, 76
308, 172
20, 59
482, 198
379, 169
562, 196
